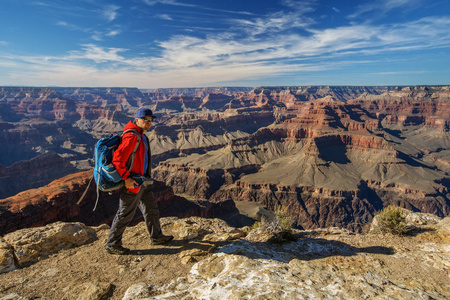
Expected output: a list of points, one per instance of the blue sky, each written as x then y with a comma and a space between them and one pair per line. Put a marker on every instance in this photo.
197, 43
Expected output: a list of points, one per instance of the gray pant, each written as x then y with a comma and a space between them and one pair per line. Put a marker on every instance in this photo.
127, 207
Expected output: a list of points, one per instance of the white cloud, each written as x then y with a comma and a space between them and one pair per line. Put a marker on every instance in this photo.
110, 12
252, 48
96, 53
178, 3
301, 6
113, 32
275, 23
391, 4
97, 36
168, 2
381, 7
165, 17
400, 72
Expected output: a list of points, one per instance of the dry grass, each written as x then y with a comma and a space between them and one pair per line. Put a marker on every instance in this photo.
280, 226
392, 219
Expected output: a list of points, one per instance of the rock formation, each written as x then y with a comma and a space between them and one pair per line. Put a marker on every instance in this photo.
210, 260
35, 121
166, 93
332, 163
33, 173
334, 155
57, 201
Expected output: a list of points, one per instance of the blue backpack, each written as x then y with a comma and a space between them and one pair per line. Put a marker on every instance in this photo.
105, 174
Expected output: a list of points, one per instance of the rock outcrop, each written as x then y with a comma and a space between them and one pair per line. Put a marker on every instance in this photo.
210, 260
32, 245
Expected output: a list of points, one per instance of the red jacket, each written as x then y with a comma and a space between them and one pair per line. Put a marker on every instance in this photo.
124, 151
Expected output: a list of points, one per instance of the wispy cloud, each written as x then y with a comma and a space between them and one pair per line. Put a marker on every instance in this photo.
183, 4
400, 72
113, 32
110, 12
68, 25
381, 7
165, 17
96, 35
97, 54
168, 2
251, 47
275, 23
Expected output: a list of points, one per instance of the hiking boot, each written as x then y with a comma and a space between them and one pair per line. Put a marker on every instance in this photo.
119, 250
162, 239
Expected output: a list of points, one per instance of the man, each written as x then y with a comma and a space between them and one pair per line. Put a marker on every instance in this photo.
135, 194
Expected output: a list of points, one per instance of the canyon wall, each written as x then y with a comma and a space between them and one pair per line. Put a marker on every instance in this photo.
58, 201
335, 155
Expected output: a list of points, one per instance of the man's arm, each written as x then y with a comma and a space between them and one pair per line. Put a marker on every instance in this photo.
123, 153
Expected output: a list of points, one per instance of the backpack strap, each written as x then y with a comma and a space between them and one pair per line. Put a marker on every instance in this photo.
149, 155
85, 191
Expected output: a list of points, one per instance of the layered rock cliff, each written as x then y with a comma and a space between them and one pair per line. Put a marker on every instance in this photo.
335, 155
35, 121
126, 97
166, 93
57, 201
332, 163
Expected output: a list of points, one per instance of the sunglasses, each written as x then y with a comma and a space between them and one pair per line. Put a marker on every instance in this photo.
147, 119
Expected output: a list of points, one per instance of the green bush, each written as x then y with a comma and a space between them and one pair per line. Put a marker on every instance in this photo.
255, 225
392, 219
281, 226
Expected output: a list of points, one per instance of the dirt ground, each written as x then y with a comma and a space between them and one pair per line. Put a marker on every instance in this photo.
63, 275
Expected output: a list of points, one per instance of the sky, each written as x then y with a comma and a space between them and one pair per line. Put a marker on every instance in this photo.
206, 43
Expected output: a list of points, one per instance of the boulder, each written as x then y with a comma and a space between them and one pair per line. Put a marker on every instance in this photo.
140, 290
33, 244
444, 228
94, 290
213, 230
6, 257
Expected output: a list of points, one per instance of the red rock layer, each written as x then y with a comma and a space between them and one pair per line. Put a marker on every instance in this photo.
58, 202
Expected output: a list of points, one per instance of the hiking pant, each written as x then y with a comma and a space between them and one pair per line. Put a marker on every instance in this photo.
127, 207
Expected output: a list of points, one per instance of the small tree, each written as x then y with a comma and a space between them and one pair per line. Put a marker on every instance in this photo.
392, 219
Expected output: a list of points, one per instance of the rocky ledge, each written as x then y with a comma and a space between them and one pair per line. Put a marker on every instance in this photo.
210, 260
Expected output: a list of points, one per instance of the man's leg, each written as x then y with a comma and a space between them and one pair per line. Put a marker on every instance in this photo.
150, 211
127, 208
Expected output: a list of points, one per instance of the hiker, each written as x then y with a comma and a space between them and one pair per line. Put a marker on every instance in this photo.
137, 191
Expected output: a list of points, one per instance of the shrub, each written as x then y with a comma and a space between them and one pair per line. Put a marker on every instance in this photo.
276, 228
255, 225
392, 219
281, 226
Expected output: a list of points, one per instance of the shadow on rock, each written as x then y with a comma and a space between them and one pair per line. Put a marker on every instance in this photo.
303, 249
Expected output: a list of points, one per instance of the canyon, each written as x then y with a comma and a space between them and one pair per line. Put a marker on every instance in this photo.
334, 155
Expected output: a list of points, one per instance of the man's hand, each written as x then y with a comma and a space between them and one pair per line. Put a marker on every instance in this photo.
130, 183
